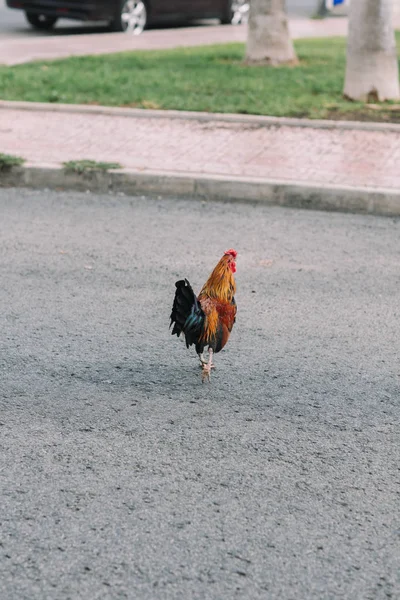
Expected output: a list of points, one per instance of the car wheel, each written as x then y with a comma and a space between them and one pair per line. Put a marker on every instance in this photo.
238, 13
40, 21
131, 17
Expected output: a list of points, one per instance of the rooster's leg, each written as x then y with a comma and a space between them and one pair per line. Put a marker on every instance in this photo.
207, 367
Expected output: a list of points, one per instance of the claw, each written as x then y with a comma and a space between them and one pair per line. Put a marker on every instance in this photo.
206, 366
205, 375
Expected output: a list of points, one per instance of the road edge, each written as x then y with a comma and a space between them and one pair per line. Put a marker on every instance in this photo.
373, 201
142, 113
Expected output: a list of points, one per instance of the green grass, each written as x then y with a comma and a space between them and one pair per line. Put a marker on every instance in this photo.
8, 161
212, 79
87, 165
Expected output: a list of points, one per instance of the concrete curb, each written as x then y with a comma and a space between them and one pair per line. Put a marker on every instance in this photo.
372, 201
257, 121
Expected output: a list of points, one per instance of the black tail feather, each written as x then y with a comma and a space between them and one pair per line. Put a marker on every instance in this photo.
187, 314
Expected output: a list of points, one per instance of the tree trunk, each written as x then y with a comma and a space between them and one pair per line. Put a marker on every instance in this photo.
322, 11
372, 70
268, 39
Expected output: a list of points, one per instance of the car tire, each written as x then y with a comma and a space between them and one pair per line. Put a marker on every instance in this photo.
237, 13
131, 17
42, 22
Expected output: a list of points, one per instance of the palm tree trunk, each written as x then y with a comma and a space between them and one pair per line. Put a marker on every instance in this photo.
322, 11
372, 70
268, 39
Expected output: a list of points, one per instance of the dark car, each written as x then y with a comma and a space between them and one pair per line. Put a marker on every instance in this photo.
129, 15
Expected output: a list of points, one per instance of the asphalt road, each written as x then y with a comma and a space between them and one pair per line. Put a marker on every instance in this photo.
122, 476
13, 23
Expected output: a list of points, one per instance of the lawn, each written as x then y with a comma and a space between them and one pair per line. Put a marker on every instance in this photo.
212, 79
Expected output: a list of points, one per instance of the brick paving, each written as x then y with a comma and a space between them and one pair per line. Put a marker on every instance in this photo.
350, 157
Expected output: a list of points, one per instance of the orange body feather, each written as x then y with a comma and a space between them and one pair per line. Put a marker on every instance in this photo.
217, 301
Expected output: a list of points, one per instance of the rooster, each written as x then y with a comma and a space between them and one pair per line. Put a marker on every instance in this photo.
207, 320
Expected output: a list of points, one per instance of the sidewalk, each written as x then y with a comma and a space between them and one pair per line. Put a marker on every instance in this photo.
248, 156
21, 50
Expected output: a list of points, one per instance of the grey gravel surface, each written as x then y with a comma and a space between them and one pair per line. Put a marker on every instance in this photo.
122, 476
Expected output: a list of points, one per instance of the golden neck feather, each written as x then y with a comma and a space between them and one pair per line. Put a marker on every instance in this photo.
221, 283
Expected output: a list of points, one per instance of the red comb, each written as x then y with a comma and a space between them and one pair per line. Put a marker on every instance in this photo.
232, 252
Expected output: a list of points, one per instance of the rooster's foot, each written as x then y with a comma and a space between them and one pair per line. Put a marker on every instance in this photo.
205, 375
